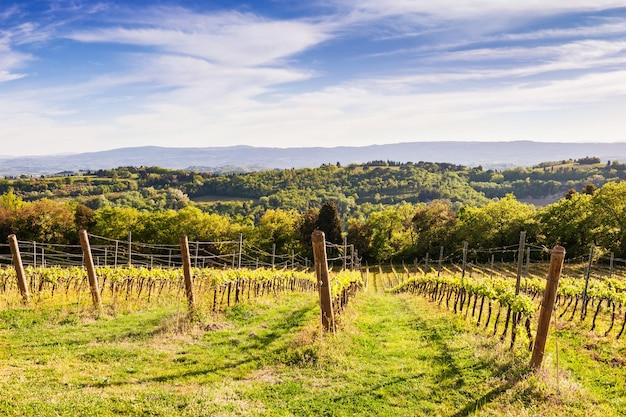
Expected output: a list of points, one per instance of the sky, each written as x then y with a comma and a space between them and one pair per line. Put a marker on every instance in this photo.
83, 76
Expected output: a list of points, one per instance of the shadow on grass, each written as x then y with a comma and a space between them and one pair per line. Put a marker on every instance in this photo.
451, 374
371, 390
256, 350
476, 405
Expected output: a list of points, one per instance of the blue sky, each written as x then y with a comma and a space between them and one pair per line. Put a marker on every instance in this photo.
80, 76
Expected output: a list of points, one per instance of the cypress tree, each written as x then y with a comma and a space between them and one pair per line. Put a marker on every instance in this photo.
328, 222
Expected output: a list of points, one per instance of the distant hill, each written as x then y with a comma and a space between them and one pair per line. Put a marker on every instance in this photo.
245, 158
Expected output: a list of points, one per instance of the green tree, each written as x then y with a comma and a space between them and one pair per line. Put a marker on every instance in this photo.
569, 222
84, 217
277, 227
44, 221
497, 224
116, 222
609, 211
392, 232
360, 235
328, 222
434, 226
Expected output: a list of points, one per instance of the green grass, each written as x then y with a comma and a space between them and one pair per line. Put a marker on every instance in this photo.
392, 356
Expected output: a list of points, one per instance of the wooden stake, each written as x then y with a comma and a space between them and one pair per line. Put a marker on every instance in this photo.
191, 300
321, 272
19, 269
91, 271
547, 306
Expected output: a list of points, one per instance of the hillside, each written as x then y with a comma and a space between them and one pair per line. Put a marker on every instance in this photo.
376, 182
488, 154
387, 209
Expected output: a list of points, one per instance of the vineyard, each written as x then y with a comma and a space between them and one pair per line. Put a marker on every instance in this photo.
498, 303
595, 299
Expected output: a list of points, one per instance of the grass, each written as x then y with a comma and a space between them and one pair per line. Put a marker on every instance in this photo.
392, 356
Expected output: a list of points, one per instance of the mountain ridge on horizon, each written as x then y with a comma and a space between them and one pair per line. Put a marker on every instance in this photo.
493, 155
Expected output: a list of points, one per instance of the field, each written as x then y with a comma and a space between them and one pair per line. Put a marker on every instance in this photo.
394, 353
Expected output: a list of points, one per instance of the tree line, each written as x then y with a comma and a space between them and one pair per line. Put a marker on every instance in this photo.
355, 189
402, 231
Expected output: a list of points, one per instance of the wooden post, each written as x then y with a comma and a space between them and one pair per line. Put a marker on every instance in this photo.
583, 310
191, 299
520, 260
130, 248
321, 272
240, 250
520, 265
273, 255
547, 306
19, 269
464, 259
440, 260
91, 271
352, 257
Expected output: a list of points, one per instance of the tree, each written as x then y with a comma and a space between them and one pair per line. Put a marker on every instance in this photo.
589, 189
497, 224
44, 221
307, 224
609, 210
434, 226
391, 231
276, 227
84, 217
116, 222
569, 223
360, 235
328, 222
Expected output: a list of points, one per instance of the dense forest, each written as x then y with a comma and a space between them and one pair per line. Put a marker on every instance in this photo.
387, 210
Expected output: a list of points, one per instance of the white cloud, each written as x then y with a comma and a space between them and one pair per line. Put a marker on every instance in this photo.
460, 9
227, 38
11, 60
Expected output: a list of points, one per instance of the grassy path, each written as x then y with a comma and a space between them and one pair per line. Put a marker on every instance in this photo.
393, 356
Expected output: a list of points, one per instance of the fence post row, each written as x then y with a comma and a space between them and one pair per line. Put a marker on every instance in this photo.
19, 269
547, 306
321, 272
91, 271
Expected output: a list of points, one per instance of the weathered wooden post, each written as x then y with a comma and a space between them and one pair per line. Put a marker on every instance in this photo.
91, 271
439, 264
547, 306
518, 280
321, 272
130, 248
19, 269
464, 259
191, 299
240, 250
583, 310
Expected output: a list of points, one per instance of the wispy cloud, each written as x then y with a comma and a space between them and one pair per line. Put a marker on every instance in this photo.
461, 9
230, 38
